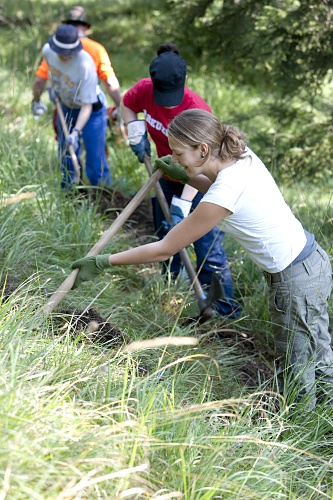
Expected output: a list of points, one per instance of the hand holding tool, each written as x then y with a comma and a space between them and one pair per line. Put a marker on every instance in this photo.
179, 209
216, 290
171, 169
138, 138
70, 147
90, 268
38, 108
73, 139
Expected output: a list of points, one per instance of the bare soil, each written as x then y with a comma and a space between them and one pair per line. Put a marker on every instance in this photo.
110, 204
89, 326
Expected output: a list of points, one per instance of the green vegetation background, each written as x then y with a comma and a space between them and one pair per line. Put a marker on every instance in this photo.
84, 420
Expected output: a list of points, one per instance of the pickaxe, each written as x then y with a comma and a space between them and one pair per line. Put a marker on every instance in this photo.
216, 290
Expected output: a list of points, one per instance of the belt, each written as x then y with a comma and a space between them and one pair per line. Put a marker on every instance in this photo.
273, 277
288, 271
97, 105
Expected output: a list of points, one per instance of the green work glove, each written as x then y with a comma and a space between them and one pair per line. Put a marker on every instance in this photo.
90, 268
172, 170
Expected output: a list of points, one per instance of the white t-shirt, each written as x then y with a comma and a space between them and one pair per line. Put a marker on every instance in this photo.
74, 81
261, 221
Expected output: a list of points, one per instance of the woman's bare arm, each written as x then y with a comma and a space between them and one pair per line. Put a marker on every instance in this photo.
196, 225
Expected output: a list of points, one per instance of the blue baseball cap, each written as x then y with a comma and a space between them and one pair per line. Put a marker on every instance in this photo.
168, 74
66, 41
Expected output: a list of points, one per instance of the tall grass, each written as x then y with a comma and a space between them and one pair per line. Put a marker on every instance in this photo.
78, 422
81, 419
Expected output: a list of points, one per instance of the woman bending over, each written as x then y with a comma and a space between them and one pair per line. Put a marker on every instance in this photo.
242, 196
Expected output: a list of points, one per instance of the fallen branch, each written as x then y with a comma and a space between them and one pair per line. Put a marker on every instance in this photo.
160, 342
16, 198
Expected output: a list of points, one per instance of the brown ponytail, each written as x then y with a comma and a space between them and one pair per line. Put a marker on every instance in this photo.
197, 126
232, 144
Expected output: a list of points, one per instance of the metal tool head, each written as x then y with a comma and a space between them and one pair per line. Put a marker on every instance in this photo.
215, 292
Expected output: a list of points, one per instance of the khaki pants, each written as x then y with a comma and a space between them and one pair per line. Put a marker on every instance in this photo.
298, 307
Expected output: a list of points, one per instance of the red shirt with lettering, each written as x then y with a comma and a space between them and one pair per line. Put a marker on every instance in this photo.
140, 99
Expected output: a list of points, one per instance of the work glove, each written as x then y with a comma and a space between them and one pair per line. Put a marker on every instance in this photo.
172, 170
73, 139
90, 268
179, 209
38, 109
116, 116
138, 139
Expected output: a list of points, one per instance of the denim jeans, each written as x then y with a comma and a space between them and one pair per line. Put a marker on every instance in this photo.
210, 255
94, 137
298, 307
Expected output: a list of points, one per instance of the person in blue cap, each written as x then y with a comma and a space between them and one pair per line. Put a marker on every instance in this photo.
74, 80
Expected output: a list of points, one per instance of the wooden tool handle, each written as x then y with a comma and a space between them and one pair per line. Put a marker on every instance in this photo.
70, 148
66, 286
183, 253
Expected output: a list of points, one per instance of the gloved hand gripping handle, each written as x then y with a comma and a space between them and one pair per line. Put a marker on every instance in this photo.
216, 290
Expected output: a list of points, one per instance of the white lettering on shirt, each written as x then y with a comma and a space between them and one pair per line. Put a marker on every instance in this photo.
155, 123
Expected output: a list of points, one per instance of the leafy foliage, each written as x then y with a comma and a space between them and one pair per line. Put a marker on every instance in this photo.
287, 44
299, 143
284, 47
